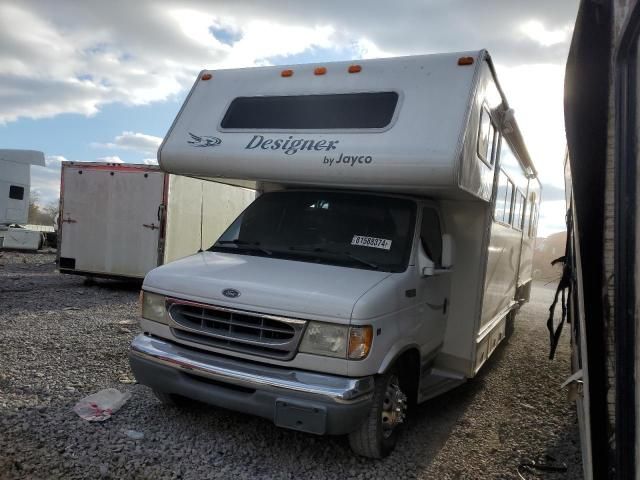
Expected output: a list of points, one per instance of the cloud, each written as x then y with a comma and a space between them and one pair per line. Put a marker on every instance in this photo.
537, 32
70, 57
139, 142
54, 161
111, 159
552, 193
552, 217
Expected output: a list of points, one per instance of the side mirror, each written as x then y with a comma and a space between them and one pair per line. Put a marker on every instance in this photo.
425, 264
428, 268
448, 251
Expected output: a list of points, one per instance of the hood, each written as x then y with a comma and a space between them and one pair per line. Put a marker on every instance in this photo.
268, 285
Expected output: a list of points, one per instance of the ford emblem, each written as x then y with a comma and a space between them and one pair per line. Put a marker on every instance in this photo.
231, 293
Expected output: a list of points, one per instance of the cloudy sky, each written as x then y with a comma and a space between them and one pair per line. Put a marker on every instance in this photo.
100, 80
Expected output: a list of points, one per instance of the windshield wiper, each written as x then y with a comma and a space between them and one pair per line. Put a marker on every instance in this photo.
331, 252
245, 244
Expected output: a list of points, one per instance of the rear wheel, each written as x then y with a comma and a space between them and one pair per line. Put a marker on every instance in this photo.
378, 434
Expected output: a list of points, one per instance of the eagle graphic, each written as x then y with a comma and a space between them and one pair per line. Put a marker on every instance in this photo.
203, 141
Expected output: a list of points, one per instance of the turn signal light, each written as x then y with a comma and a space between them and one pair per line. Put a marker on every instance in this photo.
206, 76
286, 73
465, 61
354, 68
360, 339
320, 70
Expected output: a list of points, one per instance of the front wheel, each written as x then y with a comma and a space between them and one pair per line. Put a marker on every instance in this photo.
377, 436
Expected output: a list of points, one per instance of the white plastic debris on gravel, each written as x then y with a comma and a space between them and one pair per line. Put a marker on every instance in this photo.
99, 406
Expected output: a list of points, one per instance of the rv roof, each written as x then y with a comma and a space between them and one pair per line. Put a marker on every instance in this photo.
31, 157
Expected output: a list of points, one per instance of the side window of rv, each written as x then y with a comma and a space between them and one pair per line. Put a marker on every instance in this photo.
526, 221
504, 197
533, 220
16, 192
518, 210
486, 137
431, 235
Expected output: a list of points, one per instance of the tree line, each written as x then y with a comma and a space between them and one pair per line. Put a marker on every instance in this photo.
40, 214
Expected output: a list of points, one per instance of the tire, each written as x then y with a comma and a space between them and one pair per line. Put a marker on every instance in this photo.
376, 438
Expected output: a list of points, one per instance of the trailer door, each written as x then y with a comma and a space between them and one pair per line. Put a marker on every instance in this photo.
109, 223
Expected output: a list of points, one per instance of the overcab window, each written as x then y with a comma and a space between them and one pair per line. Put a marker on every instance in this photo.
312, 112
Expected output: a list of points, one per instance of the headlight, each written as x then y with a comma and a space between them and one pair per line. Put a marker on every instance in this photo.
325, 339
337, 340
152, 306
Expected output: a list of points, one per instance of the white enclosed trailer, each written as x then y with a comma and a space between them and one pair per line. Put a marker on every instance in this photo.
337, 297
122, 220
15, 184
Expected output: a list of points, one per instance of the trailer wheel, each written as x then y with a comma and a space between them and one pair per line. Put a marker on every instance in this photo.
377, 436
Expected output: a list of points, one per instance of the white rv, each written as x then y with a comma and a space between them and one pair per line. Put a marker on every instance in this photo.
15, 184
122, 220
382, 263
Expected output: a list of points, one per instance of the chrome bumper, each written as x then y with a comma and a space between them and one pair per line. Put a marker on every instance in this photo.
278, 380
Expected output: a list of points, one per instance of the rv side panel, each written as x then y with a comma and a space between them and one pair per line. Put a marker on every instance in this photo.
529, 232
14, 192
466, 221
198, 211
183, 214
504, 250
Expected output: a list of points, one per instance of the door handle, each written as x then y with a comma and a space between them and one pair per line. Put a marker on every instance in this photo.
152, 226
69, 220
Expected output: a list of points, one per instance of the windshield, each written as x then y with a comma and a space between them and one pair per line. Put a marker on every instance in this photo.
360, 231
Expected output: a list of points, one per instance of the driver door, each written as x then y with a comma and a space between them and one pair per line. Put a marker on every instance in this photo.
433, 292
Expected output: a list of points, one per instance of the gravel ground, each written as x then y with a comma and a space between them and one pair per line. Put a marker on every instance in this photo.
61, 340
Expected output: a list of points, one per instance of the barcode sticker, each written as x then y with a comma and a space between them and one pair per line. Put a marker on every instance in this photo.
372, 242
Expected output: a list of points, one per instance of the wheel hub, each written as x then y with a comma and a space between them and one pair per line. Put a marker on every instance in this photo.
394, 407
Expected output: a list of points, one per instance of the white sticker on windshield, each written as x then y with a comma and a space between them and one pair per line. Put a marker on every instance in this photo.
373, 242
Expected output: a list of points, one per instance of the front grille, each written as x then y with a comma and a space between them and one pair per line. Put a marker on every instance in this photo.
246, 332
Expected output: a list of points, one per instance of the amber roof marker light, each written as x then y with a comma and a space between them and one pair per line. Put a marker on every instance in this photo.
286, 73
320, 70
354, 69
206, 76
465, 61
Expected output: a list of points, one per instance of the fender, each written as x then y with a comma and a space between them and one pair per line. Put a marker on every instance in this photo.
394, 353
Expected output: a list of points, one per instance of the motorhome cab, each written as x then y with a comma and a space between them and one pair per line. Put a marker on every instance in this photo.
383, 261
